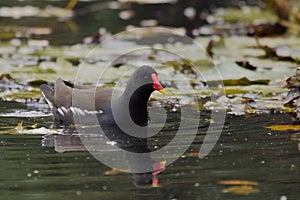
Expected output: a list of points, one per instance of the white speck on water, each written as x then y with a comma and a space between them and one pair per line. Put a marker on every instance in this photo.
126, 14
78, 192
283, 198
189, 12
174, 109
112, 143
35, 171
29, 174
262, 162
197, 184
104, 187
293, 166
269, 133
210, 19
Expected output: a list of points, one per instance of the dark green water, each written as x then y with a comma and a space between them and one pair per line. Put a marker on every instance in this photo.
89, 16
245, 151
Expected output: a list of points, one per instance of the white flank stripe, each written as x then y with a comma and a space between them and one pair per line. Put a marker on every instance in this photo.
64, 110
61, 112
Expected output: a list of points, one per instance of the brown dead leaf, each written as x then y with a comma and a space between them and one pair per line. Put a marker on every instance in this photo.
7, 76
245, 81
266, 29
209, 47
282, 9
246, 64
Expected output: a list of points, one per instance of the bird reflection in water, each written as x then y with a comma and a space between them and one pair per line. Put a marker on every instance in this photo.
72, 142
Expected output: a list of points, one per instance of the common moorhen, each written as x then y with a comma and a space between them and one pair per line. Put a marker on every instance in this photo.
99, 100
123, 117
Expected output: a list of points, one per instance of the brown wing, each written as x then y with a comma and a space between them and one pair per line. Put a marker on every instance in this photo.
85, 98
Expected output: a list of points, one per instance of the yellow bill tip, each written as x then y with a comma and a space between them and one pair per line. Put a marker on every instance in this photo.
162, 91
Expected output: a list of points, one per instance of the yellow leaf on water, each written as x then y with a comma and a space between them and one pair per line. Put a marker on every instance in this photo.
192, 154
34, 125
237, 182
114, 171
241, 190
283, 127
19, 128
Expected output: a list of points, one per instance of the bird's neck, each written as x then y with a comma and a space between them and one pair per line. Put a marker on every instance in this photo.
137, 104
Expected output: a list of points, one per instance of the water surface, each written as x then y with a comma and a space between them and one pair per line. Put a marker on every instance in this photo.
245, 151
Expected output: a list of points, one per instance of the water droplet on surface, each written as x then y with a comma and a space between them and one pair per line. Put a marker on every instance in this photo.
283, 198
189, 12
126, 14
293, 166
